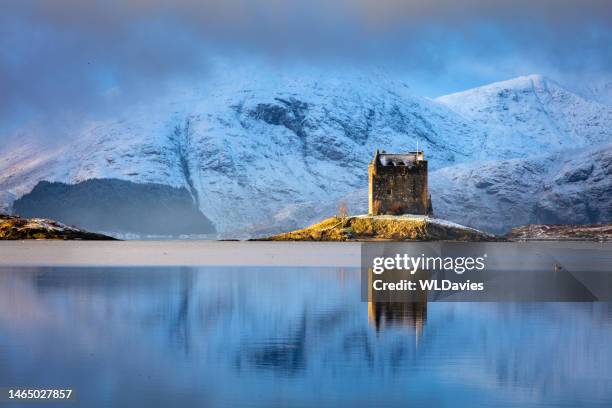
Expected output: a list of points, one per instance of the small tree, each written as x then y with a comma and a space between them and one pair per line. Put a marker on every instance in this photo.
342, 209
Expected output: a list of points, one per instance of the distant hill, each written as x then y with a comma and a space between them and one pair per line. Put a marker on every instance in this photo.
117, 206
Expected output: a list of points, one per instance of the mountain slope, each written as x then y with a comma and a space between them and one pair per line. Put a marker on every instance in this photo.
539, 114
572, 187
117, 206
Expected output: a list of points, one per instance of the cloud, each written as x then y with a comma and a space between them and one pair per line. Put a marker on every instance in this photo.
64, 57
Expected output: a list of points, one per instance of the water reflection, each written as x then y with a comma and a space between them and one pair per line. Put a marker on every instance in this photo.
397, 308
412, 315
289, 337
285, 355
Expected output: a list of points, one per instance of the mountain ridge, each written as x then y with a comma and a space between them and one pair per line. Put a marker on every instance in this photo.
538, 111
245, 149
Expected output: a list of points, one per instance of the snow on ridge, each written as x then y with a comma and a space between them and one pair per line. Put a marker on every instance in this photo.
536, 113
524, 81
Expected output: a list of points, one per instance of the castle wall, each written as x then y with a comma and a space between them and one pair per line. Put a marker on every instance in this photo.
398, 189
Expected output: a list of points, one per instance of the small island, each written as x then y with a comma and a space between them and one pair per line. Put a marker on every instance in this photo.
384, 228
17, 228
400, 209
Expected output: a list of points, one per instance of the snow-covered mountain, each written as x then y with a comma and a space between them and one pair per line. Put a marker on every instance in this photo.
249, 144
573, 187
540, 114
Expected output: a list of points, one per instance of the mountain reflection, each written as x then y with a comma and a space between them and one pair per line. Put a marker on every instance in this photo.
263, 334
284, 355
180, 327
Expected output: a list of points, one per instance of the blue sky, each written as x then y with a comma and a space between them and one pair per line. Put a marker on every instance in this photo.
66, 57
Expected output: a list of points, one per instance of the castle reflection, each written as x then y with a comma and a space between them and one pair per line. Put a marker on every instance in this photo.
412, 315
397, 308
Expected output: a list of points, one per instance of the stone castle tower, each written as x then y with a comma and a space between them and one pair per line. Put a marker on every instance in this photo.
398, 184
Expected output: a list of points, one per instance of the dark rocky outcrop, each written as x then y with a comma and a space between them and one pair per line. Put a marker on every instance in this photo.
288, 113
116, 206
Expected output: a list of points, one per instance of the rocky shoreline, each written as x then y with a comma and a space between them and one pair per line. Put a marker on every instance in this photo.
561, 232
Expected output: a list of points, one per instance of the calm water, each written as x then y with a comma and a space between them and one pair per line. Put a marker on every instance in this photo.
298, 337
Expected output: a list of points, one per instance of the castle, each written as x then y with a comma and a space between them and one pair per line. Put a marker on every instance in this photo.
398, 184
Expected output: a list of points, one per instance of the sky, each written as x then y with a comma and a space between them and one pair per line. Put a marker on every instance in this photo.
73, 58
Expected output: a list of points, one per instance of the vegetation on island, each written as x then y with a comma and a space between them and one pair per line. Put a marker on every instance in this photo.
383, 228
